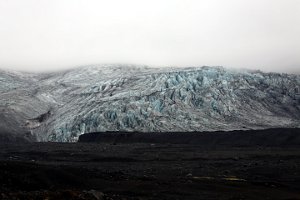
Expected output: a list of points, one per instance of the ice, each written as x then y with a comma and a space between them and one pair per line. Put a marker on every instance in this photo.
140, 98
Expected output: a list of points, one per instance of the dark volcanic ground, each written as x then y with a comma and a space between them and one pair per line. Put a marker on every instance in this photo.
211, 168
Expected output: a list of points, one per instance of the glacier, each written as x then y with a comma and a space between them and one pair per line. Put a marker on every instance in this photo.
60, 106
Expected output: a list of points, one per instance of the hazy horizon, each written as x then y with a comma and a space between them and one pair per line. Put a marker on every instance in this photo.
52, 35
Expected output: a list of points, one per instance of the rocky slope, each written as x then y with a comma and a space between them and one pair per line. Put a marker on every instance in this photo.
61, 106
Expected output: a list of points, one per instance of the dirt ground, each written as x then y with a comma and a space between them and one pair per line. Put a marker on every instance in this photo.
148, 171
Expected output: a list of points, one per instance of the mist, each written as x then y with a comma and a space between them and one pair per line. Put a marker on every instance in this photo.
59, 34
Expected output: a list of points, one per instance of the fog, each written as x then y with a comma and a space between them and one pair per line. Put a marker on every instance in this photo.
39, 35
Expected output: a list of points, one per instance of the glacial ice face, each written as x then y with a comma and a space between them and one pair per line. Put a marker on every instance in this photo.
137, 98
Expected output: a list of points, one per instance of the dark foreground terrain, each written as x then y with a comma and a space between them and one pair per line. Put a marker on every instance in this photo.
255, 165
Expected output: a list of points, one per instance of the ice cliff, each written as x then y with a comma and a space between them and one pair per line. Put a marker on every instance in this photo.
61, 106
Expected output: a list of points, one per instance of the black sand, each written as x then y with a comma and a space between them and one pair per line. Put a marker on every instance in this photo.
208, 166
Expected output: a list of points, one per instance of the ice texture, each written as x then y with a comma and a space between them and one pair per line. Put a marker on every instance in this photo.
140, 98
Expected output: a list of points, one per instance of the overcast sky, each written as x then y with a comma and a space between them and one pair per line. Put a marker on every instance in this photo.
40, 35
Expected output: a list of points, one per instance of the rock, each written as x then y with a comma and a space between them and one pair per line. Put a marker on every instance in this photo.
98, 195
236, 158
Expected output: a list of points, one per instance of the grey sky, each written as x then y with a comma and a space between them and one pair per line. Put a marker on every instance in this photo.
53, 34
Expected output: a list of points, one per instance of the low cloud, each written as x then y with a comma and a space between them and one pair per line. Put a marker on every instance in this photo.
53, 34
